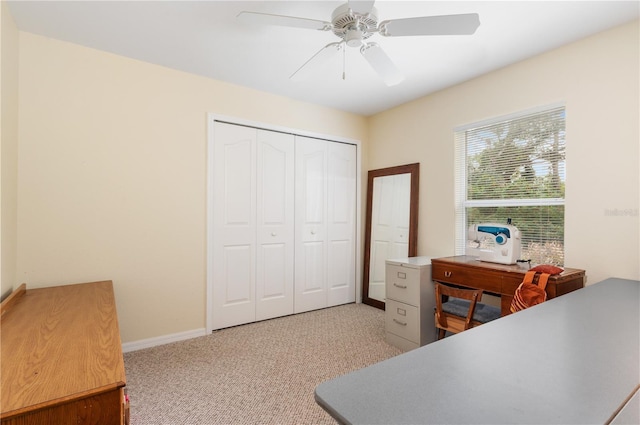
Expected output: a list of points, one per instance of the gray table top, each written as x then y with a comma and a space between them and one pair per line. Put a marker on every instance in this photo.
571, 360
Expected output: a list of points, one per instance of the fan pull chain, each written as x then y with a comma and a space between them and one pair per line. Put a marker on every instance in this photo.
344, 60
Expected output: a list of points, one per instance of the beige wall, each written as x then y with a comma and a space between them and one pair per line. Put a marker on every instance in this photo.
112, 164
8, 149
112, 175
598, 79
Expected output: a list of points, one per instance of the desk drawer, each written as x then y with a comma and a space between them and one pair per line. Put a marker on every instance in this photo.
403, 284
510, 283
403, 320
466, 276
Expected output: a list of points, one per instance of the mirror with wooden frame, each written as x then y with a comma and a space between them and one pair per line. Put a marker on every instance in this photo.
391, 230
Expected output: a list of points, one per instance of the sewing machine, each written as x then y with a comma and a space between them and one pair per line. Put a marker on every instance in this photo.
495, 243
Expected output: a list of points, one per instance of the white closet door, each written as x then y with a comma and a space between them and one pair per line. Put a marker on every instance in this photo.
341, 203
275, 224
381, 231
283, 224
311, 224
389, 222
401, 215
234, 218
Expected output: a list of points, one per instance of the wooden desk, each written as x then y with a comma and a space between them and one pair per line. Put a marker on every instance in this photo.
571, 360
62, 357
498, 279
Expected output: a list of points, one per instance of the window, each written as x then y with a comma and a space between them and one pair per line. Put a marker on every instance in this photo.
514, 168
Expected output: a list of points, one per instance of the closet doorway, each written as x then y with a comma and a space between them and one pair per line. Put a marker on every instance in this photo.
283, 222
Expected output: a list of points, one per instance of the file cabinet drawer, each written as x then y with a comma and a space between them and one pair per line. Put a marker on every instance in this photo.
402, 320
403, 284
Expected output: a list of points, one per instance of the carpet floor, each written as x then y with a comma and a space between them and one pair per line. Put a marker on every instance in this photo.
260, 373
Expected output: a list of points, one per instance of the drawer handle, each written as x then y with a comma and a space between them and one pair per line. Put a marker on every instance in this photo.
399, 322
399, 286
447, 274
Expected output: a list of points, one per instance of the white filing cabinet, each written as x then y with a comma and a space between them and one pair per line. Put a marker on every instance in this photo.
410, 303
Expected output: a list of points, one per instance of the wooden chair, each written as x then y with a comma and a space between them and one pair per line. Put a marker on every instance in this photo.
462, 310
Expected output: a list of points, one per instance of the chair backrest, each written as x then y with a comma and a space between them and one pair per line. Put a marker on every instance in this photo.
447, 321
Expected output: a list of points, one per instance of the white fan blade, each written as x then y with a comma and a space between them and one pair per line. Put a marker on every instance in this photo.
316, 61
382, 64
465, 24
361, 6
285, 21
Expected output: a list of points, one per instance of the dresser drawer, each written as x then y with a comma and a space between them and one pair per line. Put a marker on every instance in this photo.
467, 276
403, 320
403, 284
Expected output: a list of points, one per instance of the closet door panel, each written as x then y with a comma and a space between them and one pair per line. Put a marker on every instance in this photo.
381, 231
238, 277
340, 274
234, 225
341, 199
272, 272
390, 223
313, 281
311, 226
275, 222
401, 214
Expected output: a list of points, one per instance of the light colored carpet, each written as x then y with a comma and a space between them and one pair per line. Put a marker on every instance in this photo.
260, 373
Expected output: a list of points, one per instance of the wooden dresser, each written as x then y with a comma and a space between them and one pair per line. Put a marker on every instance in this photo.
498, 279
62, 357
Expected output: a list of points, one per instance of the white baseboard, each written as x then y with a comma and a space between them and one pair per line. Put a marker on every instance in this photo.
161, 340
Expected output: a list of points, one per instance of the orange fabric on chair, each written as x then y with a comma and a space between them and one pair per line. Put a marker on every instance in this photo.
529, 294
547, 268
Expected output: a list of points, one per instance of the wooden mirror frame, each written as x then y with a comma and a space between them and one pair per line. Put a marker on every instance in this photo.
414, 171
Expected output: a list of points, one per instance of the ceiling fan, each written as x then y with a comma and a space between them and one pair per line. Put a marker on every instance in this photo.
355, 22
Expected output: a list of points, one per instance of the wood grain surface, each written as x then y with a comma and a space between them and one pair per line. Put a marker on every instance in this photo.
60, 344
499, 279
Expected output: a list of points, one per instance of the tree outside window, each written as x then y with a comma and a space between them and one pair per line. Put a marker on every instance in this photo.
514, 168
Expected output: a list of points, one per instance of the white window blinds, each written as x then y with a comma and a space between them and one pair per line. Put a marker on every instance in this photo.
514, 168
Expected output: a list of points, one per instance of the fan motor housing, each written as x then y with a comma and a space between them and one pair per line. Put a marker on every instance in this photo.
351, 26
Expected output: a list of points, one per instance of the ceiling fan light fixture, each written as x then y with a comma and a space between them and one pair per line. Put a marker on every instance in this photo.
355, 21
353, 37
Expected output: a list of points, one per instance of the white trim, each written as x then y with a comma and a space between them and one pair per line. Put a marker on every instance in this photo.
161, 340
509, 117
247, 123
460, 170
513, 202
460, 190
359, 223
209, 230
211, 119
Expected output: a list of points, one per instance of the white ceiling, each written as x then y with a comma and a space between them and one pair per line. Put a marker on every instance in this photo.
205, 38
